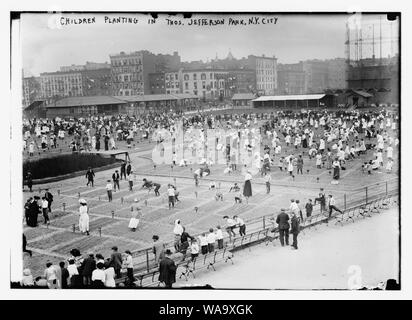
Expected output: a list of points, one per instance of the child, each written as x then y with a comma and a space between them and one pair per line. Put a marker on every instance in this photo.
238, 197
212, 185
211, 239
219, 196
280, 163
319, 161
234, 188
194, 249
203, 243
309, 208
389, 165
231, 224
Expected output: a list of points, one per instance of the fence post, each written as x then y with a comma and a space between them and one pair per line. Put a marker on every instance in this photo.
344, 200
386, 187
147, 260
264, 222
366, 191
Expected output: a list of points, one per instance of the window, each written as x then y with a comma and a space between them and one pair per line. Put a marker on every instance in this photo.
204, 84
186, 86
176, 76
195, 85
211, 76
194, 76
186, 77
203, 76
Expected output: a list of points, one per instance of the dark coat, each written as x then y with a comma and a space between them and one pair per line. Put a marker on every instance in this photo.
282, 220
49, 197
295, 228
89, 264
167, 271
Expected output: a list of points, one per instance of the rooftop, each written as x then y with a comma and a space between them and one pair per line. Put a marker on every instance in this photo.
157, 97
85, 101
291, 97
243, 96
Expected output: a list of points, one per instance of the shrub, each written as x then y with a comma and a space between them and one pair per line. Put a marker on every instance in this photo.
64, 164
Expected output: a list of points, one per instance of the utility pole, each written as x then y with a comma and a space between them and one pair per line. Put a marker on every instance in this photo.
380, 40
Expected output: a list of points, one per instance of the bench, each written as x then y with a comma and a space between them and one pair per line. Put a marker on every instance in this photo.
206, 261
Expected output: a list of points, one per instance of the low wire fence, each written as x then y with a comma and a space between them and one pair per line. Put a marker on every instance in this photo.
144, 259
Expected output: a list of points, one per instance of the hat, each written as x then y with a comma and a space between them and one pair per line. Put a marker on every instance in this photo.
26, 272
168, 252
136, 200
128, 252
114, 248
283, 210
82, 201
155, 237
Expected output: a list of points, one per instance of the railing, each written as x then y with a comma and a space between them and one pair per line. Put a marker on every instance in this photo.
187, 268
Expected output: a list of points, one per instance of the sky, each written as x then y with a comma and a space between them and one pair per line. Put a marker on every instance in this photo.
46, 44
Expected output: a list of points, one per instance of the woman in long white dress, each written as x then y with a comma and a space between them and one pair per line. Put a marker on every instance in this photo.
84, 217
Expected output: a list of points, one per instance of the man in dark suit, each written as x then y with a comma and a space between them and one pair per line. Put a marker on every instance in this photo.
116, 261
123, 170
90, 176
283, 222
116, 178
295, 228
167, 270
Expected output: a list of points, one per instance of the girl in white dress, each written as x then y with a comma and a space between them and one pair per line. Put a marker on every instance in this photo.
134, 220
84, 217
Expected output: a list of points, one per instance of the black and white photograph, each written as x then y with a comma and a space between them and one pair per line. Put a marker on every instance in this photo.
212, 150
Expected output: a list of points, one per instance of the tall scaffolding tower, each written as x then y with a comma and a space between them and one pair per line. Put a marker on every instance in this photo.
363, 35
